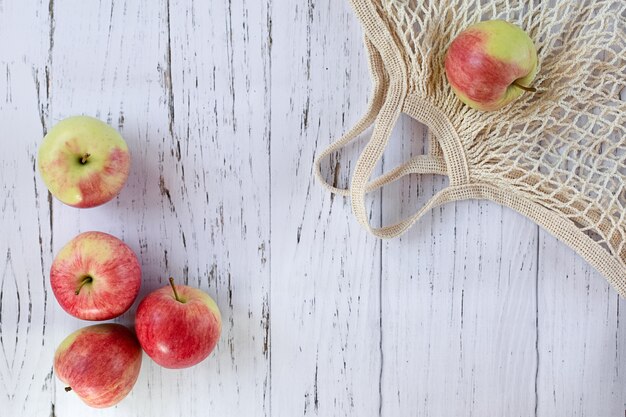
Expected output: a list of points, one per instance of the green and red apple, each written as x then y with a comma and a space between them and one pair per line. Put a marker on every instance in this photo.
83, 161
490, 64
178, 326
95, 276
99, 363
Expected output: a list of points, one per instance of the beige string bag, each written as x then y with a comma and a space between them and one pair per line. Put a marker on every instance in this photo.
557, 156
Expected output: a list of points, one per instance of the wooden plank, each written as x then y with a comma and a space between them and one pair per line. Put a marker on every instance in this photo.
177, 79
325, 268
581, 340
458, 301
107, 61
221, 187
26, 386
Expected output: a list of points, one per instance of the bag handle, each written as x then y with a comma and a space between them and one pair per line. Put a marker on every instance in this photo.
440, 127
385, 120
420, 164
387, 111
378, 77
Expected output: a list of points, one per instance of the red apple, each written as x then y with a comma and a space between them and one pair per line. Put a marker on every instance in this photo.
95, 276
99, 363
179, 326
83, 161
490, 64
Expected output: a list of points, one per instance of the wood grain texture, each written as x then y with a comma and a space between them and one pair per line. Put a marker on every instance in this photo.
187, 94
26, 337
458, 309
581, 342
476, 311
325, 268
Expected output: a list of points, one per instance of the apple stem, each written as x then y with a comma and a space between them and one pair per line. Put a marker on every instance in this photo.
523, 87
84, 158
174, 288
86, 280
68, 389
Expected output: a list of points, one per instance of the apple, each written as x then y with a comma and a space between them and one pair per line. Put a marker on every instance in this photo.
179, 326
490, 64
99, 363
83, 161
95, 276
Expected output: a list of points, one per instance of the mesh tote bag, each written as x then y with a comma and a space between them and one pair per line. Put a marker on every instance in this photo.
557, 156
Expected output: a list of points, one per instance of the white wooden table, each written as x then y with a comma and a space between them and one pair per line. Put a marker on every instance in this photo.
224, 104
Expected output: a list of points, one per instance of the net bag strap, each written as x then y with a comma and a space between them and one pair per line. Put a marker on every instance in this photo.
370, 156
394, 104
420, 164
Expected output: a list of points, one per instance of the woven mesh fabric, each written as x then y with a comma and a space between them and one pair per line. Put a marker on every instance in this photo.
557, 156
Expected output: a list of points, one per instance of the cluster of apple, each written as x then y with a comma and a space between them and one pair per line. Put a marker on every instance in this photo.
84, 163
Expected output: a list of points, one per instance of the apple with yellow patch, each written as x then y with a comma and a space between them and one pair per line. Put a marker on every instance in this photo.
83, 161
490, 64
95, 276
99, 363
